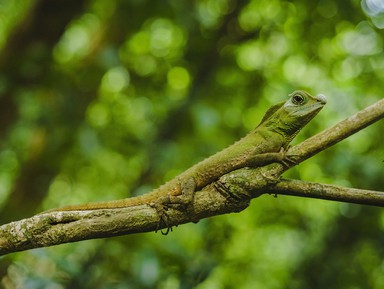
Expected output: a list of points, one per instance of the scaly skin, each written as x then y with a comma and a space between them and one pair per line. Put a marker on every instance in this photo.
264, 145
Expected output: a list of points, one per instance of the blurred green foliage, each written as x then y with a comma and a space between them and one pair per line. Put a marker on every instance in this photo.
104, 99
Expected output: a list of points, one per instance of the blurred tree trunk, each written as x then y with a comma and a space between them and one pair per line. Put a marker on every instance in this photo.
41, 29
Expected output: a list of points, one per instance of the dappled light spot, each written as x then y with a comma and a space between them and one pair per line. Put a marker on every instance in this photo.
375, 10
348, 69
78, 39
250, 56
98, 114
144, 65
362, 41
139, 43
115, 80
165, 38
178, 78
209, 12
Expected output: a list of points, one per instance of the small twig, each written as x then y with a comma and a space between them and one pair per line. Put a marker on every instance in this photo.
328, 192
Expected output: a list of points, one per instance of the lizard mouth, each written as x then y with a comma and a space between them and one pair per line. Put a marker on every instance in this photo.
309, 110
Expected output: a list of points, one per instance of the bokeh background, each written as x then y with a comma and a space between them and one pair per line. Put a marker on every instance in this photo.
105, 99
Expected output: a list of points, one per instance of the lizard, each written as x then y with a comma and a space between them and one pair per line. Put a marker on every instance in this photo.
266, 144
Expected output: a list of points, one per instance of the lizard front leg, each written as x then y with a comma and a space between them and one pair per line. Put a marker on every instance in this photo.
263, 159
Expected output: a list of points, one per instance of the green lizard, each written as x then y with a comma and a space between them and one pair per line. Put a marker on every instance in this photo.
267, 143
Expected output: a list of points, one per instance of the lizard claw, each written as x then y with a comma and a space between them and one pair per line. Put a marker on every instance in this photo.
161, 210
288, 160
178, 202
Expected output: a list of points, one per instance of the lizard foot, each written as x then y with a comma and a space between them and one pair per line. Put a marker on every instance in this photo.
179, 202
288, 160
161, 210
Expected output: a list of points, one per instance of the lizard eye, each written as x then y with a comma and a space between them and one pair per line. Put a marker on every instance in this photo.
298, 99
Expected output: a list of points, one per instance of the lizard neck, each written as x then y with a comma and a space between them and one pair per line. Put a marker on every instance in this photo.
284, 126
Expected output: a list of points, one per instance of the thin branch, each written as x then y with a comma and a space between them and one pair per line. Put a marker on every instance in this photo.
328, 192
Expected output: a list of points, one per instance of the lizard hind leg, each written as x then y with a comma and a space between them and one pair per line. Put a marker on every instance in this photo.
161, 211
178, 202
188, 188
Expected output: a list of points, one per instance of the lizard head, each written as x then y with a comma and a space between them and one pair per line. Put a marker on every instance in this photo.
301, 106
289, 117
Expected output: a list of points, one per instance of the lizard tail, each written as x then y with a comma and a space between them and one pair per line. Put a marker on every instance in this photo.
113, 204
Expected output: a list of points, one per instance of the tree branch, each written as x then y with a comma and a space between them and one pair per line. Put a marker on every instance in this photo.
55, 228
328, 192
231, 193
